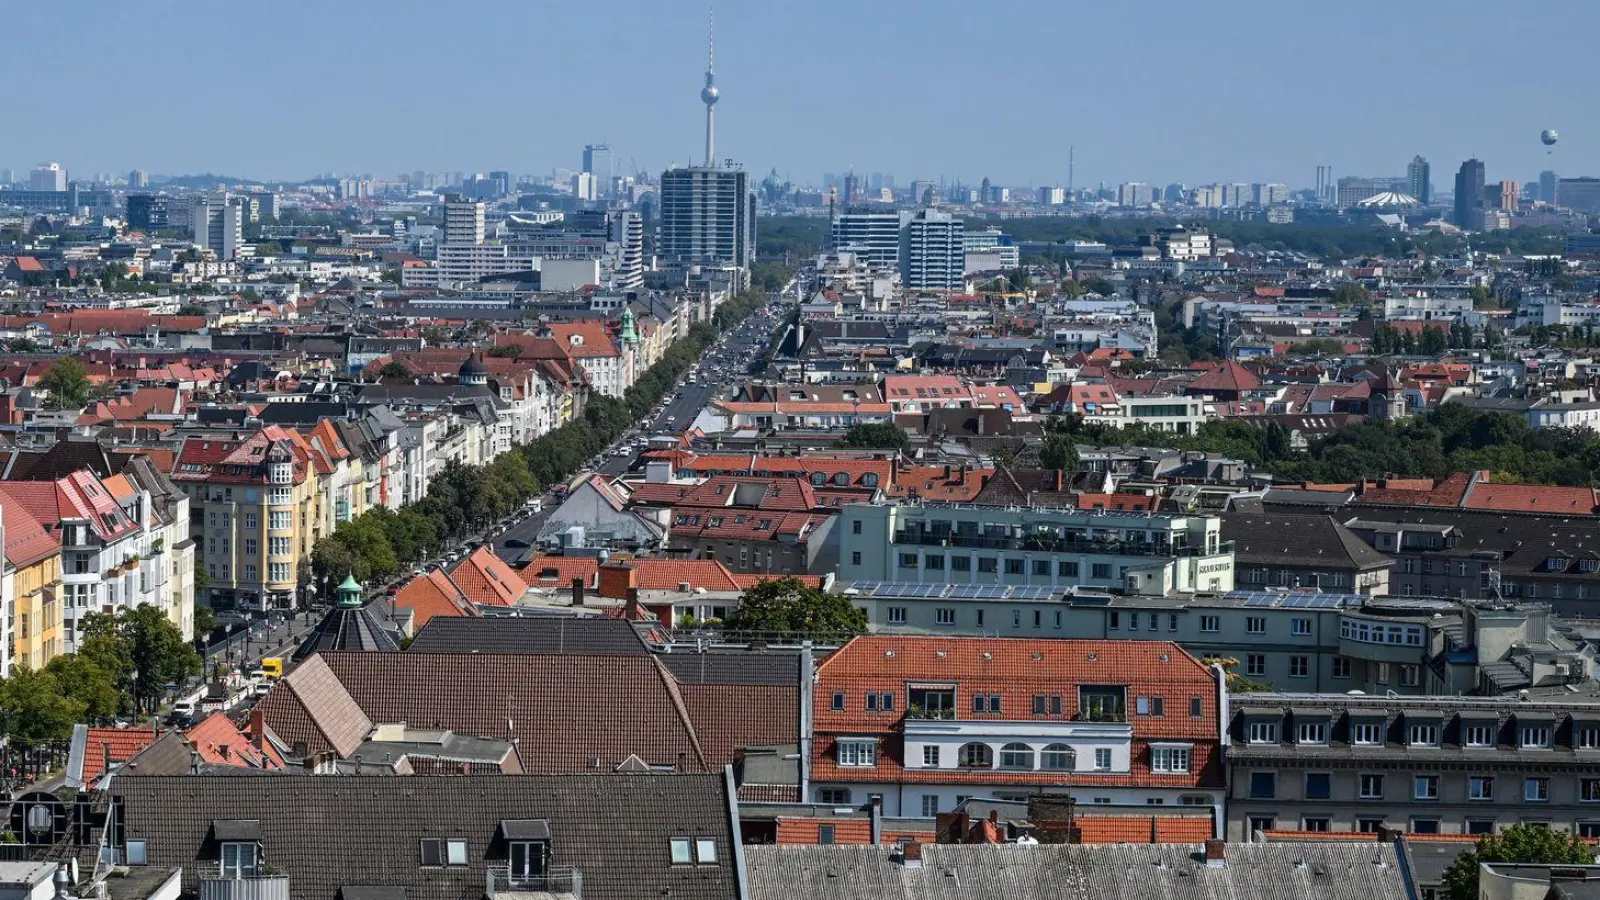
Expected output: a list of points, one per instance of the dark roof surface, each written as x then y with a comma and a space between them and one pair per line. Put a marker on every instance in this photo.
331, 834
361, 628
533, 634
1297, 540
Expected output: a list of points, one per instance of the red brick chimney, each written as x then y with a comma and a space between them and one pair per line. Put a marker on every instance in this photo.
911, 855
616, 578
1216, 853
258, 729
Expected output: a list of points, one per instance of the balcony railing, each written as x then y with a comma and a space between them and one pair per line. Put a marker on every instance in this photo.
1049, 544
247, 887
561, 880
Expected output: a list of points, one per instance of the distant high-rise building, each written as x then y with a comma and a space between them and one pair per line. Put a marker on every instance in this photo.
584, 186
851, 194
1052, 196
48, 176
1269, 194
218, 224
932, 253
1579, 194
1548, 181
1469, 195
1418, 183
147, 211
597, 162
138, 179
1135, 193
502, 183
873, 236
707, 216
924, 193
463, 221
1504, 195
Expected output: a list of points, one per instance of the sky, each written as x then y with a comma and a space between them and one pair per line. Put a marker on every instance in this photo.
1153, 90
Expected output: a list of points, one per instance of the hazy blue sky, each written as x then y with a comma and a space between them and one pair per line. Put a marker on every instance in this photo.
1156, 90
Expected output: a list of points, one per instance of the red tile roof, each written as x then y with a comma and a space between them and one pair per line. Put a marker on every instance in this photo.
113, 745
1227, 377
26, 540
217, 740
486, 579
431, 595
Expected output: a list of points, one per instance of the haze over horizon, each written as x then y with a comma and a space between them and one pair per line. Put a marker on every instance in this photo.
1245, 90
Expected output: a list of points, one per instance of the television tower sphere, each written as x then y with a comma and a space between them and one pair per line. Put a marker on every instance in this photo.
1549, 137
710, 93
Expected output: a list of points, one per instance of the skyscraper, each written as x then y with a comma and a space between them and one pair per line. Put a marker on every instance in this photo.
1548, 181
597, 162
48, 176
932, 254
1469, 195
218, 225
138, 179
873, 236
1418, 184
463, 221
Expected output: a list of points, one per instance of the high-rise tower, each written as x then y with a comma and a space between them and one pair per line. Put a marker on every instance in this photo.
709, 96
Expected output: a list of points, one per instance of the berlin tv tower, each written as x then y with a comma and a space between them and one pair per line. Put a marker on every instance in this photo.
709, 95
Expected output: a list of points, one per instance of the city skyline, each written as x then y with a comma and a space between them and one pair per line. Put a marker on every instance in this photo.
1253, 118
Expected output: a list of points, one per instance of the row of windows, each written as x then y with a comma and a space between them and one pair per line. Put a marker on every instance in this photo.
1370, 786
1043, 704
1017, 756
1375, 734
990, 565
1418, 825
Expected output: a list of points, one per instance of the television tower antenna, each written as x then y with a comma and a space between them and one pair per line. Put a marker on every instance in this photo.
709, 94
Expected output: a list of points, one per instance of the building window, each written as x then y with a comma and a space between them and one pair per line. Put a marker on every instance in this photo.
1255, 625
1255, 664
838, 700
908, 560
1100, 570
1480, 826
1341, 667
1039, 704
1586, 738
1133, 621
1041, 567
1480, 787
896, 615
930, 805
855, 557
1369, 734
1299, 666
987, 565
1102, 758
1319, 785
1410, 675
1196, 707
1370, 787
1262, 733
1317, 824
241, 859
1067, 569
1424, 826
1423, 736
1299, 626
1535, 736
855, 527
1058, 758
1312, 733
934, 563
930, 756
1536, 790
975, 756
1368, 826
1262, 823
1172, 760
961, 564
681, 851
1210, 624
858, 753
1263, 785
1016, 756
944, 616
833, 796
1425, 787
1480, 736
1589, 790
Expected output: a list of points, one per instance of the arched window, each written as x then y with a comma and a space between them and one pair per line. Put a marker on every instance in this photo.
819, 478
976, 756
870, 479
842, 479
1016, 756
1058, 758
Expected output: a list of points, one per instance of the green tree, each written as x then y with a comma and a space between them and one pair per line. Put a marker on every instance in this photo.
878, 435
390, 369
193, 309
84, 681
141, 650
506, 351
1099, 286
68, 384
205, 621
1350, 293
1520, 843
1482, 297
790, 606
1237, 684
36, 711
1059, 452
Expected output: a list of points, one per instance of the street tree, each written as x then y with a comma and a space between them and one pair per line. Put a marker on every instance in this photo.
68, 384
792, 607
35, 710
1520, 843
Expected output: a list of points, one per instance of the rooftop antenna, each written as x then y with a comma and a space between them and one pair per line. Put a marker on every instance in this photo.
709, 94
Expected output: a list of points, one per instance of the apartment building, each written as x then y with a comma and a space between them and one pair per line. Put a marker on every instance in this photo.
32, 589
919, 724
961, 543
257, 510
1429, 765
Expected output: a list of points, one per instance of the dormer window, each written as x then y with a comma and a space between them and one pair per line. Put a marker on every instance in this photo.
241, 859
1555, 564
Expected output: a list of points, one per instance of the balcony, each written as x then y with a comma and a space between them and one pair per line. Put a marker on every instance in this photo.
561, 881
1052, 544
247, 887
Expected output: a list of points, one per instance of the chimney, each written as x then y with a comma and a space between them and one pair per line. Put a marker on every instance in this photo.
577, 591
683, 762
911, 855
994, 817
616, 578
258, 729
1216, 853
632, 606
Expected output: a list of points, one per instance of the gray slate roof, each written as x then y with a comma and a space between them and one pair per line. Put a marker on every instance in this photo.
593, 636
329, 833
1295, 540
1333, 871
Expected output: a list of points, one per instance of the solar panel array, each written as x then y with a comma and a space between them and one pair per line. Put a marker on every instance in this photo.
1296, 599
912, 590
